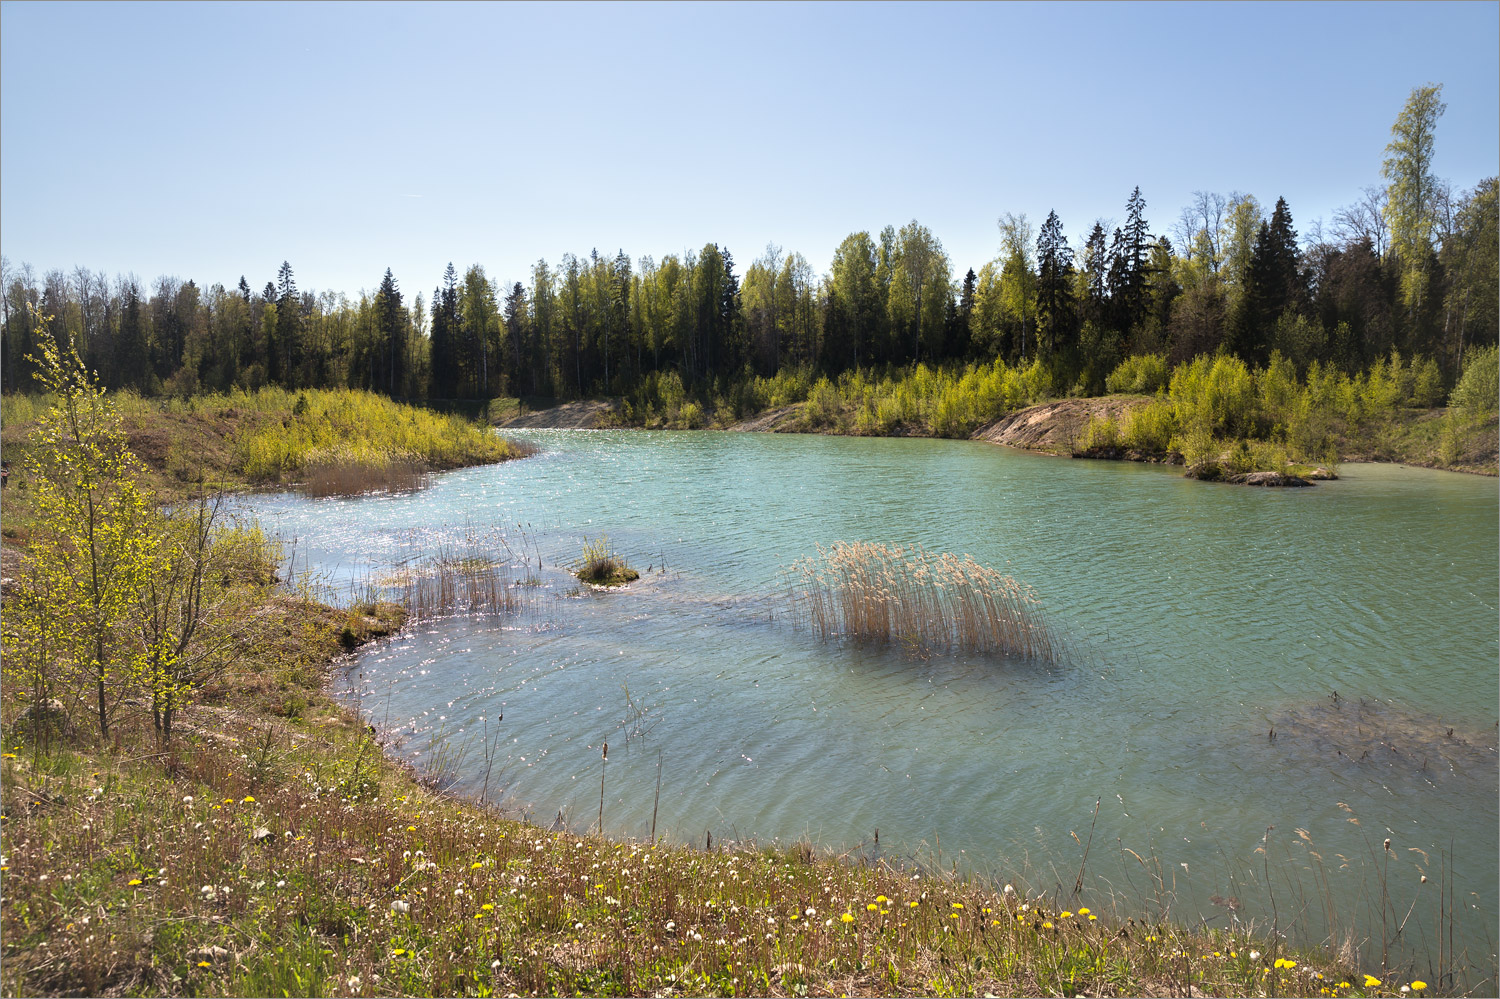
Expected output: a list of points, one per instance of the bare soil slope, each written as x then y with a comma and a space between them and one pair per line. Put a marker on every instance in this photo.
587, 415
1054, 426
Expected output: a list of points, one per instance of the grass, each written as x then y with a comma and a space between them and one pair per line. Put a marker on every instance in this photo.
470, 577
909, 596
280, 852
273, 848
601, 566
331, 442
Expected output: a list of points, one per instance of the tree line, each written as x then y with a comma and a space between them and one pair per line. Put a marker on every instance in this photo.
1410, 266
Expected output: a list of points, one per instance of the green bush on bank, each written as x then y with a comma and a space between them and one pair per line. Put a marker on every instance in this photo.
1478, 388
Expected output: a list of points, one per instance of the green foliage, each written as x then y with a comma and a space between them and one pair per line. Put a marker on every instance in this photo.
1140, 374
1478, 388
1101, 433
1150, 428
1217, 394
352, 428
601, 566
92, 547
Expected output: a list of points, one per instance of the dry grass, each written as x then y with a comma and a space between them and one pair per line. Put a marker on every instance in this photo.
354, 478
275, 850
470, 576
910, 596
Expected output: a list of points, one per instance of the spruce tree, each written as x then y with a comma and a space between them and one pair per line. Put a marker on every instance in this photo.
1054, 301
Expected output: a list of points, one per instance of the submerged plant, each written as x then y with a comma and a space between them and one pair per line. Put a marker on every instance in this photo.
920, 599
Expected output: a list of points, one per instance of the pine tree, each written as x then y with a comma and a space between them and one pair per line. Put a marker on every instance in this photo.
390, 321
1096, 263
1134, 249
515, 328
1054, 300
958, 333
1273, 284
288, 323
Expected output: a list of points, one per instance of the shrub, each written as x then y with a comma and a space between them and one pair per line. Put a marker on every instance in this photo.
1150, 428
1478, 388
1102, 432
1142, 374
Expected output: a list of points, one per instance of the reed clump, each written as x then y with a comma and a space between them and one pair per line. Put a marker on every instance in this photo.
355, 475
471, 576
936, 601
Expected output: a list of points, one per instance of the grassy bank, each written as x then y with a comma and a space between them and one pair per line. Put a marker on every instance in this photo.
330, 440
1217, 414
274, 849
214, 823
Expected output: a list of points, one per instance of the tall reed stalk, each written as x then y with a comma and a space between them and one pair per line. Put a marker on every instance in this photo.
470, 576
889, 594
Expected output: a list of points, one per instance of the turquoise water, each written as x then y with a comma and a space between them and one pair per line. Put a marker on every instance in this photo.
1197, 618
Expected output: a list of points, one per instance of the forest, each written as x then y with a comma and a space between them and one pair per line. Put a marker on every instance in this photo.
1409, 266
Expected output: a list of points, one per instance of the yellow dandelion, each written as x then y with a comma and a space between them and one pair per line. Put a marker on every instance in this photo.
1371, 982
881, 899
912, 904
958, 905
248, 799
204, 964
476, 865
847, 917
872, 907
1084, 911
1065, 914
411, 828
1047, 925
1418, 986
134, 882
487, 907
398, 952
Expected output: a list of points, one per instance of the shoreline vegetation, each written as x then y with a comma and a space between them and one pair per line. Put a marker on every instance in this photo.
1217, 416
189, 811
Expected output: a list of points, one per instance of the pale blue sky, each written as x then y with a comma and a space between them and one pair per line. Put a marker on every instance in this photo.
210, 141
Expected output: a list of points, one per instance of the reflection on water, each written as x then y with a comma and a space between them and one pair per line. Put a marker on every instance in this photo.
1198, 618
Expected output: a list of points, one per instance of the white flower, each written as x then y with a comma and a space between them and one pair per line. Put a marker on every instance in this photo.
400, 907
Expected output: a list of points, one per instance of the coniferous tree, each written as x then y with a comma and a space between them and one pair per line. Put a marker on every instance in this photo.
515, 330
1054, 299
390, 320
1096, 266
958, 333
288, 324
1135, 248
1273, 284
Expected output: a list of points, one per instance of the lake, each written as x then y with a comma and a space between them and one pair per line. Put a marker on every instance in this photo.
1356, 619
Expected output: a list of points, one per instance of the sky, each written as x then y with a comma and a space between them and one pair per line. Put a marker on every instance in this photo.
210, 141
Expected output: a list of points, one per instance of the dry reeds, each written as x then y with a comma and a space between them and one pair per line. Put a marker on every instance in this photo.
356, 477
890, 595
468, 577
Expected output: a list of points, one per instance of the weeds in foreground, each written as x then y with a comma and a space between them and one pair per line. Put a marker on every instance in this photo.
318, 867
910, 596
